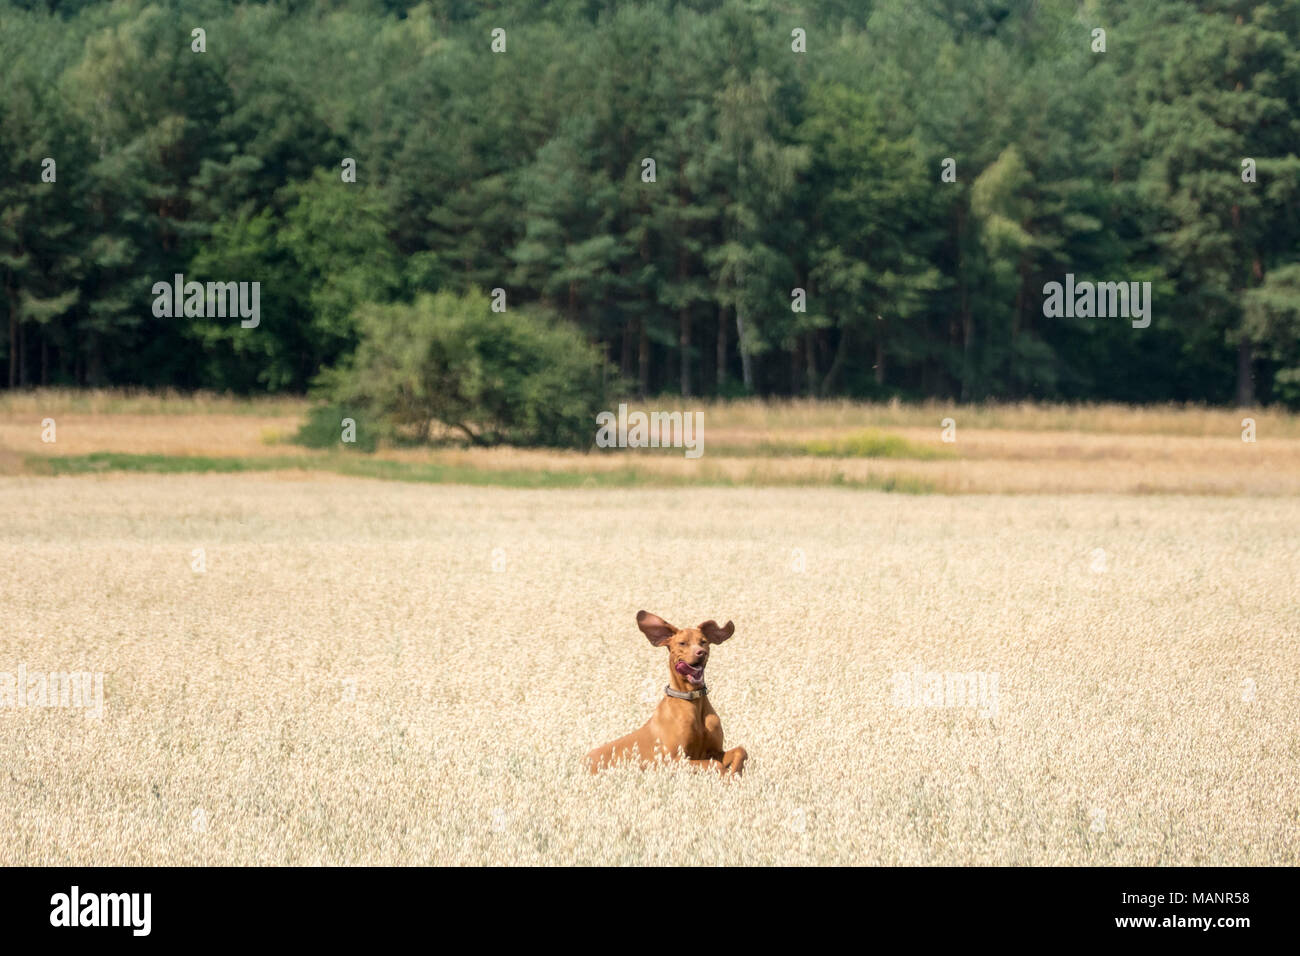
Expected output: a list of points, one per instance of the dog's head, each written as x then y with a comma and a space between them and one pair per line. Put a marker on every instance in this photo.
688, 648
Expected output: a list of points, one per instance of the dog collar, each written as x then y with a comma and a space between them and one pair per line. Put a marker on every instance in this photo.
686, 695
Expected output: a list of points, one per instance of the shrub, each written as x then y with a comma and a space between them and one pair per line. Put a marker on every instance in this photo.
324, 428
522, 377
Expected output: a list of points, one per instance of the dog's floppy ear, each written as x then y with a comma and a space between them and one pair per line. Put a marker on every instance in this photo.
655, 627
715, 634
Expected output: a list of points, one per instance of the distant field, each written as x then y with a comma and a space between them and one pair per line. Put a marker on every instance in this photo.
103, 401
1017, 449
797, 415
381, 672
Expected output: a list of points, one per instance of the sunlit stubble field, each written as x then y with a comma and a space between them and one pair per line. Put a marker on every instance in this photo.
392, 673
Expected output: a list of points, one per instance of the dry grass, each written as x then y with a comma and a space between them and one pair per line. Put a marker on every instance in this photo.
41, 402
213, 433
989, 462
999, 449
1186, 420
759, 418
1162, 692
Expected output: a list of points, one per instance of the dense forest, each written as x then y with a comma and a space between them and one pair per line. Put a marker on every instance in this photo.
846, 197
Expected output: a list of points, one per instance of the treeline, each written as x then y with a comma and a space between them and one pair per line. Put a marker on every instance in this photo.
921, 172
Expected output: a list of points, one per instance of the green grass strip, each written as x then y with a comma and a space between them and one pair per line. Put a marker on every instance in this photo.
433, 473
865, 444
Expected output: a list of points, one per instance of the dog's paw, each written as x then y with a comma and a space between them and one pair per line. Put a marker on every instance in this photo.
733, 761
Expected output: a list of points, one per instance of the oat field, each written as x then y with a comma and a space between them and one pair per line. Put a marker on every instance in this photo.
367, 672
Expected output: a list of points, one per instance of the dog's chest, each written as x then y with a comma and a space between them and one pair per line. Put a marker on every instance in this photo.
698, 732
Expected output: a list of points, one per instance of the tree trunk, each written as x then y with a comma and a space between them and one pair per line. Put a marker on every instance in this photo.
746, 360
94, 361
1245, 374
643, 359
880, 354
22, 355
12, 294
967, 320
1245, 349
967, 340
684, 343
625, 353
837, 364
684, 335
1021, 291
810, 363
722, 348
13, 344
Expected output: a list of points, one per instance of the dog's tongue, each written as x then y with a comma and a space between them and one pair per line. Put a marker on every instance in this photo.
686, 670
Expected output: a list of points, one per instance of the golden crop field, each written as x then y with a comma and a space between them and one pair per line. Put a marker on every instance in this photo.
323, 670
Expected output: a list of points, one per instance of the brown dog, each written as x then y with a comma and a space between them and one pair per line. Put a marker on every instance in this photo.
684, 724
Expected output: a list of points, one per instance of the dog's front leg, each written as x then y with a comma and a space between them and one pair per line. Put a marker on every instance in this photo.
734, 760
